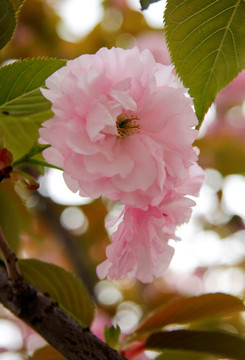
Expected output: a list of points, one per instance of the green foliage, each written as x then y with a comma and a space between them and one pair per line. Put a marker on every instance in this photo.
212, 342
7, 22
145, 3
20, 83
112, 335
206, 42
62, 286
22, 106
190, 309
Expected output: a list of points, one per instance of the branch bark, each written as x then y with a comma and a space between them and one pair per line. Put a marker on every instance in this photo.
45, 316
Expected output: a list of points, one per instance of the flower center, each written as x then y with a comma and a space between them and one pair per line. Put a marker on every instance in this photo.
127, 125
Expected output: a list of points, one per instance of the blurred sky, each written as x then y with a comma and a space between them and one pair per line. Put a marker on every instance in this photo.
80, 16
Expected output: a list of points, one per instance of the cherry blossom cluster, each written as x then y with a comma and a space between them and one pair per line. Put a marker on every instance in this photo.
124, 128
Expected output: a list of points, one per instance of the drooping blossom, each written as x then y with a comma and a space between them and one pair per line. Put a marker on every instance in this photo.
139, 247
121, 128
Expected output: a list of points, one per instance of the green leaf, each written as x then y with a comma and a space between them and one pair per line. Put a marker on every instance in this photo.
7, 22
206, 42
112, 335
195, 308
212, 342
62, 286
146, 3
22, 106
20, 83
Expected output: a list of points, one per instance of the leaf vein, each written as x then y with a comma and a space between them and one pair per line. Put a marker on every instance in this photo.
221, 44
206, 22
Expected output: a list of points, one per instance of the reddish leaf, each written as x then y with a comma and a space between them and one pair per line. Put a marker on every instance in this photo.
186, 310
219, 343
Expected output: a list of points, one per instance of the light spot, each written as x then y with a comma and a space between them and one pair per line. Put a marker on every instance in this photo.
234, 195
73, 219
11, 337
128, 316
107, 293
112, 20
53, 185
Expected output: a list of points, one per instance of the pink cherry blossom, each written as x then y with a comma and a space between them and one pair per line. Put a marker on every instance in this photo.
140, 245
121, 128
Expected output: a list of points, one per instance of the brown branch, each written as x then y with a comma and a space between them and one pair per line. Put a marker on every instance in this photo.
57, 327
11, 262
45, 316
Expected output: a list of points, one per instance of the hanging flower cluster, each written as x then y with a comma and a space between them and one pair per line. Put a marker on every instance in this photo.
123, 128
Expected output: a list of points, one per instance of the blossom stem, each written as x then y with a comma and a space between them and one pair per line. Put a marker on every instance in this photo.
35, 149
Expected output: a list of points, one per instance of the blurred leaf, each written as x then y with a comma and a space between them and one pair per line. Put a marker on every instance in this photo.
62, 286
7, 22
146, 3
47, 353
22, 106
213, 342
184, 355
112, 335
191, 309
206, 42
223, 152
17, 4
15, 218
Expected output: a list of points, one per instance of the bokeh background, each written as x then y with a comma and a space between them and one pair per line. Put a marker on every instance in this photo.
57, 226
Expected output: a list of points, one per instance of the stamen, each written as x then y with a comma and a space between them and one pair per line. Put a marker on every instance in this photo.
127, 125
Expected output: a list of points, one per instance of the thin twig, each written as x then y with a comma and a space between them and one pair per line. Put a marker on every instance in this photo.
11, 261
